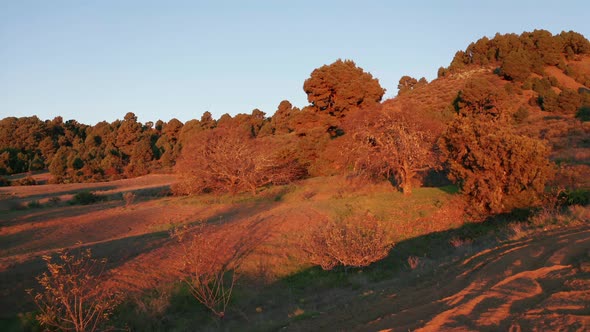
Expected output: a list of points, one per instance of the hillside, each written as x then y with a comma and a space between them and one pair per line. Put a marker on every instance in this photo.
460, 204
276, 289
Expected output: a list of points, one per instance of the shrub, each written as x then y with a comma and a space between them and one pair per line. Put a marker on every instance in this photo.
496, 169
4, 182
413, 262
27, 181
86, 198
209, 277
72, 298
575, 197
353, 241
129, 198
34, 204
520, 115
55, 200
569, 101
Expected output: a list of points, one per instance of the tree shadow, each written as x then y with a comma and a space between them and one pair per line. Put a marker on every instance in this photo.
18, 275
311, 288
71, 209
236, 233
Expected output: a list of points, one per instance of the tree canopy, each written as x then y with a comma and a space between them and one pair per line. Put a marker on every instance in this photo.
342, 87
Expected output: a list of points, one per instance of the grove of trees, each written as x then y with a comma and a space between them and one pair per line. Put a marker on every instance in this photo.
344, 130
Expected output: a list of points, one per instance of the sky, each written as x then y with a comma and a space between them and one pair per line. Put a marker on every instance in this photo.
97, 60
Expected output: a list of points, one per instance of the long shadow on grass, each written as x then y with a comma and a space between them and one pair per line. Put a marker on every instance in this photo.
293, 302
73, 209
98, 188
19, 276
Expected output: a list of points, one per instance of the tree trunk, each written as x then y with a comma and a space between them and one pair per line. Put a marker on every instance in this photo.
406, 187
406, 184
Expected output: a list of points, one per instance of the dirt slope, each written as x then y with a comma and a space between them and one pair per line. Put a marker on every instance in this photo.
541, 283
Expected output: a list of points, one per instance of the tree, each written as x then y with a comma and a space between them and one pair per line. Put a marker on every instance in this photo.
495, 168
257, 121
231, 161
341, 87
406, 83
574, 44
59, 164
548, 46
168, 143
569, 101
389, 147
478, 52
128, 134
516, 66
207, 121
480, 97
280, 121
141, 156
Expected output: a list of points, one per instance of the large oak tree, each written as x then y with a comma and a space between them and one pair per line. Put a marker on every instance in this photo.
389, 146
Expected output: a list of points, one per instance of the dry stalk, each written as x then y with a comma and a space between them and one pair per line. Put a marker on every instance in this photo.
209, 275
72, 298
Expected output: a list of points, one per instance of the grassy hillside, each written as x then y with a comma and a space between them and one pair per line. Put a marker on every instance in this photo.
268, 200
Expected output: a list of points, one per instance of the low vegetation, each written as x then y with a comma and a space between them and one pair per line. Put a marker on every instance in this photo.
209, 275
86, 198
355, 240
71, 296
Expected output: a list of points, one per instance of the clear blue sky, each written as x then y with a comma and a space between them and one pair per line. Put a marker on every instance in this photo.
97, 60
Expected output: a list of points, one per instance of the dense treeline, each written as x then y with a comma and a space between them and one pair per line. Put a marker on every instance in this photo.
344, 130
523, 59
521, 55
75, 152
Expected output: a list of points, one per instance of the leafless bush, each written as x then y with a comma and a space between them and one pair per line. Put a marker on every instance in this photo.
413, 262
518, 230
209, 276
72, 298
550, 211
458, 242
353, 241
129, 198
225, 161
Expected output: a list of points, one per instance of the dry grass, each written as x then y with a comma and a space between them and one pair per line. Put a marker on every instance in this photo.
153, 306
518, 230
